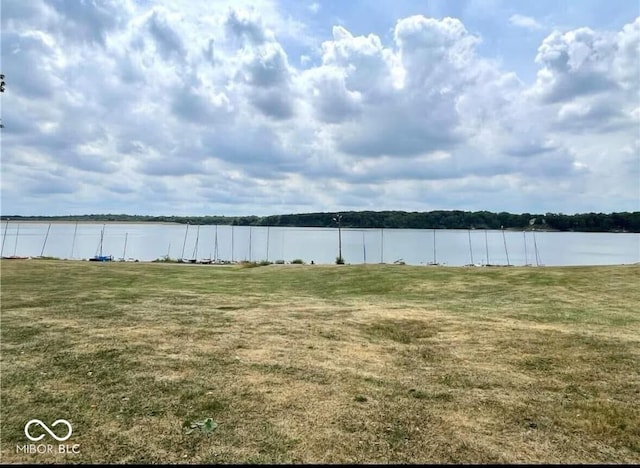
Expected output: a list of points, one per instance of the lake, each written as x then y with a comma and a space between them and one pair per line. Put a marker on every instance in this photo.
150, 241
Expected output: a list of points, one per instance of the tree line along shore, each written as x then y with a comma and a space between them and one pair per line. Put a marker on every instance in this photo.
583, 222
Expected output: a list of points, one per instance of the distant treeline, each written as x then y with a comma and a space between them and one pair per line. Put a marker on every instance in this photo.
586, 222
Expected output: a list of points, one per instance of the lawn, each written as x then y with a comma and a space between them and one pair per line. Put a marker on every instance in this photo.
321, 364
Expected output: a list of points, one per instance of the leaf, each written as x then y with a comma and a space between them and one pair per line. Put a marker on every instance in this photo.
206, 425
209, 425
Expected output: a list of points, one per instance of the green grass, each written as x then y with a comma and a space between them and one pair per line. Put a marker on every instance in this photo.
322, 363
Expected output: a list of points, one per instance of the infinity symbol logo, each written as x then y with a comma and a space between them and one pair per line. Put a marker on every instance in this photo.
44, 426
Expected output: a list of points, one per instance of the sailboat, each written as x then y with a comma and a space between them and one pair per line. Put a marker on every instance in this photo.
15, 248
194, 258
434, 263
184, 243
504, 239
45, 241
99, 257
207, 261
124, 252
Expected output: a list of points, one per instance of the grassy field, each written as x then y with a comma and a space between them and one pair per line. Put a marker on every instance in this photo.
310, 363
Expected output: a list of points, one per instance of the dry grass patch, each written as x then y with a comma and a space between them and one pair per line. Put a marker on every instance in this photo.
349, 364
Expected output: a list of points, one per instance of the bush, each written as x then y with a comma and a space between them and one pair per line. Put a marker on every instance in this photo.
167, 259
298, 261
339, 261
279, 262
265, 262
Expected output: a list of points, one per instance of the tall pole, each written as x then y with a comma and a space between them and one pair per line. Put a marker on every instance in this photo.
267, 243
184, 243
250, 230
486, 245
535, 245
232, 243
339, 239
526, 256
211, 255
470, 248
15, 246
101, 238
382, 245
364, 248
215, 246
124, 252
45, 240
4, 236
505, 245
73, 242
195, 248
338, 219
434, 247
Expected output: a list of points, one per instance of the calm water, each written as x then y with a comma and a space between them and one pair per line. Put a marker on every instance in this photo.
149, 241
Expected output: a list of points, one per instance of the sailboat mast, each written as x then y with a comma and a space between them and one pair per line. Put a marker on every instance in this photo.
124, 253
505, 245
268, 243
210, 255
535, 245
45, 240
73, 242
185, 242
15, 247
4, 236
102, 238
470, 248
195, 248
486, 245
250, 229
215, 247
364, 248
434, 246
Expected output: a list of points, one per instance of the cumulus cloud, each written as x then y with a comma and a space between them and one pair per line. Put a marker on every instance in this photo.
396, 100
625, 60
574, 63
590, 79
171, 106
262, 65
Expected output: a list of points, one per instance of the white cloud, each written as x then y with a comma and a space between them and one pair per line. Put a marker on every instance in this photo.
162, 108
526, 22
575, 63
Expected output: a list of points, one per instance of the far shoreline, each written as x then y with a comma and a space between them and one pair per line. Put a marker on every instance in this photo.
511, 229
84, 221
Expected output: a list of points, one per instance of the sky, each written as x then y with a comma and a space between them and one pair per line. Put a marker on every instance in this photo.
182, 107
